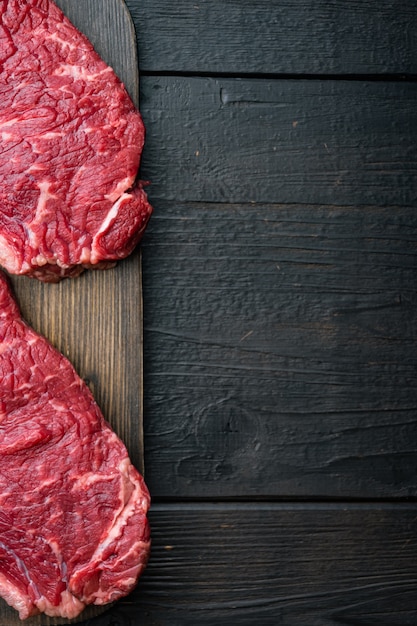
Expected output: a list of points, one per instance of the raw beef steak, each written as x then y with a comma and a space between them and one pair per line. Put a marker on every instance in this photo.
70, 147
73, 525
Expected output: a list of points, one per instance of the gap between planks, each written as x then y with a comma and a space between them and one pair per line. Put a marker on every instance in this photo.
285, 76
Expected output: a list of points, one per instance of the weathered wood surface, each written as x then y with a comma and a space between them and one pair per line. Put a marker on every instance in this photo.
96, 320
280, 351
269, 564
277, 36
303, 141
279, 303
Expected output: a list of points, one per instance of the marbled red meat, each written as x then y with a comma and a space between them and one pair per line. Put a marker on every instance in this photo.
73, 509
70, 147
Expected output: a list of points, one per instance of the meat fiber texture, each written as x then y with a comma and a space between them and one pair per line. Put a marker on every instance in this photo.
70, 147
73, 509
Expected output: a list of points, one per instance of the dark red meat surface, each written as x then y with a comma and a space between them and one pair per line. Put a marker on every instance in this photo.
73, 525
70, 147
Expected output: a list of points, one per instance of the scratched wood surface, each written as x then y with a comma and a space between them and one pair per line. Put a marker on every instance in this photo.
279, 140
280, 350
279, 312
275, 564
316, 37
96, 320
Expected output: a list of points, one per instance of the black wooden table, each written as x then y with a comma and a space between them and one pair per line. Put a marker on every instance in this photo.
280, 277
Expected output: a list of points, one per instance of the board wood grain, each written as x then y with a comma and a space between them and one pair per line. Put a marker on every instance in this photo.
277, 36
96, 320
277, 564
280, 350
261, 140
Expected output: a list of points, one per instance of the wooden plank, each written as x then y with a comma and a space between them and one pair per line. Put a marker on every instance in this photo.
332, 142
280, 350
269, 564
96, 320
277, 36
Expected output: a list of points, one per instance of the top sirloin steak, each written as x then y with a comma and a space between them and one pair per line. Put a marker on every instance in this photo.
70, 147
73, 509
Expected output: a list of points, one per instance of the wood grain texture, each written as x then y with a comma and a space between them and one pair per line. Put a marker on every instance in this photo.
280, 351
271, 564
240, 140
96, 320
277, 36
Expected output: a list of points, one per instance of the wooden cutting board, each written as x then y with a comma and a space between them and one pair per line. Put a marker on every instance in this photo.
96, 320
